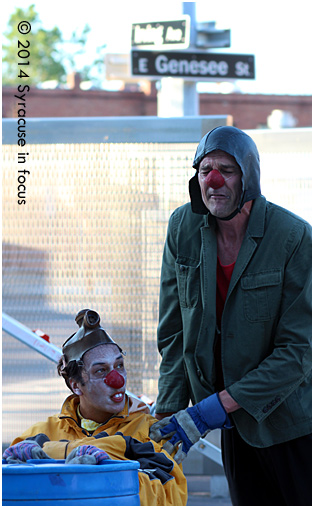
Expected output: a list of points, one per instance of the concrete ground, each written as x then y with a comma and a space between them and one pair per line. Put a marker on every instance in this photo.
207, 491
207, 483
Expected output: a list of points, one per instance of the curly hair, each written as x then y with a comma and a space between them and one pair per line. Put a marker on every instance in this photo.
72, 371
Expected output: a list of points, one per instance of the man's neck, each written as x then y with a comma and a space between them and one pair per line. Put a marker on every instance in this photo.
230, 234
94, 415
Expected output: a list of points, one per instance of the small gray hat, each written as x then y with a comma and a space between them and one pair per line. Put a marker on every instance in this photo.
89, 335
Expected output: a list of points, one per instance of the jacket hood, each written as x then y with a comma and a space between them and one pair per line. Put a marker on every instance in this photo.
242, 147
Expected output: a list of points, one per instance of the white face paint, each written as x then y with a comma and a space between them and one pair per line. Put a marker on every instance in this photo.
98, 400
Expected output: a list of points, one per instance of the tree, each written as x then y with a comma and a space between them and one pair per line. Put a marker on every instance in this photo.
48, 59
43, 61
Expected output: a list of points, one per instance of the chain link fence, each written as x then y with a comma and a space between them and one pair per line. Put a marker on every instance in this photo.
91, 235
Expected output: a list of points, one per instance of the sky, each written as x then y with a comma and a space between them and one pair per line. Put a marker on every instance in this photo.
277, 32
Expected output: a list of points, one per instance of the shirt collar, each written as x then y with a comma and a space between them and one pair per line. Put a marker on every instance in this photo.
87, 424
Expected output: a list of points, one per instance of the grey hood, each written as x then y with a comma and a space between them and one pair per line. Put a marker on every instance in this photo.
242, 147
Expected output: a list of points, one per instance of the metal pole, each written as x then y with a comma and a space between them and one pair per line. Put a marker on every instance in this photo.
209, 450
29, 338
190, 95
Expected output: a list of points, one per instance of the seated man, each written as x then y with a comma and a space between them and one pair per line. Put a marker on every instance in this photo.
99, 420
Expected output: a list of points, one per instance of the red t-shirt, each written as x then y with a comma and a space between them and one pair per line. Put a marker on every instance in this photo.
224, 273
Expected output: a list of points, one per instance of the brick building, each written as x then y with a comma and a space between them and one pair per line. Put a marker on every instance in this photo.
248, 111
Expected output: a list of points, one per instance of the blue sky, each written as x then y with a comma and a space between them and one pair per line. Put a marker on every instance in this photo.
277, 32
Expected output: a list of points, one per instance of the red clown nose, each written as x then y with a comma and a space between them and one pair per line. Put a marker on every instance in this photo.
114, 379
215, 180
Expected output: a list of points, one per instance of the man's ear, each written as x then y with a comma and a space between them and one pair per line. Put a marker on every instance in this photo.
75, 385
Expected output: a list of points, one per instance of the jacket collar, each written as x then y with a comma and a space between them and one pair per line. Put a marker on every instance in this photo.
256, 225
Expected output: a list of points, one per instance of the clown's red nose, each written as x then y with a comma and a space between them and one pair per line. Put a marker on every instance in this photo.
114, 379
215, 180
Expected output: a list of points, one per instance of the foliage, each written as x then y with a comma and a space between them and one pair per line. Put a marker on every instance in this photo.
44, 63
51, 57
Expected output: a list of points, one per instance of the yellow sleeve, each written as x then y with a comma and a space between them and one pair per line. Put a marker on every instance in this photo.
161, 480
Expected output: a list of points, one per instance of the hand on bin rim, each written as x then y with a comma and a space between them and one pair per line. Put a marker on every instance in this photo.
86, 454
186, 427
23, 451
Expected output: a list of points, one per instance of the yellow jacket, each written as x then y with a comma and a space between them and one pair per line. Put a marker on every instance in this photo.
124, 436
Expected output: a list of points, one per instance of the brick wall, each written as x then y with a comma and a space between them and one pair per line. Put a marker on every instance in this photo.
58, 103
251, 111
248, 111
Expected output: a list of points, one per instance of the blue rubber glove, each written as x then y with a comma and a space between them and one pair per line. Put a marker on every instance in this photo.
23, 451
189, 425
86, 454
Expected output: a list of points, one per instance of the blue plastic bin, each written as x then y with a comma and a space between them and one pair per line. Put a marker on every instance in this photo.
54, 483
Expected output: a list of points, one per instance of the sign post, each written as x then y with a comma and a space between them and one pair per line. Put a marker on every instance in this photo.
190, 95
187, 61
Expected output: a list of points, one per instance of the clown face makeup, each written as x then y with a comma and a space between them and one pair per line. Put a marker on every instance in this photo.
102, 392
239, 145
220, 183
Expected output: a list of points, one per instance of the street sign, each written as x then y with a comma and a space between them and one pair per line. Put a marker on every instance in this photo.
162, 35
190, 65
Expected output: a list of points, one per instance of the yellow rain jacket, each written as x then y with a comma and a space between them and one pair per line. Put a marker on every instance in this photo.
124, 437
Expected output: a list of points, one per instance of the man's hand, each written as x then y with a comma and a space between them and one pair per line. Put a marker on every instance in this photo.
189, 425
86, 454
228, 402
23, 451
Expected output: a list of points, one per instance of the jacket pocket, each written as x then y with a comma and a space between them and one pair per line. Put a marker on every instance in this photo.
261, 294
188, 277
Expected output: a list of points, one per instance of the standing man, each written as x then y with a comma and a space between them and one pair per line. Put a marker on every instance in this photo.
235, 327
